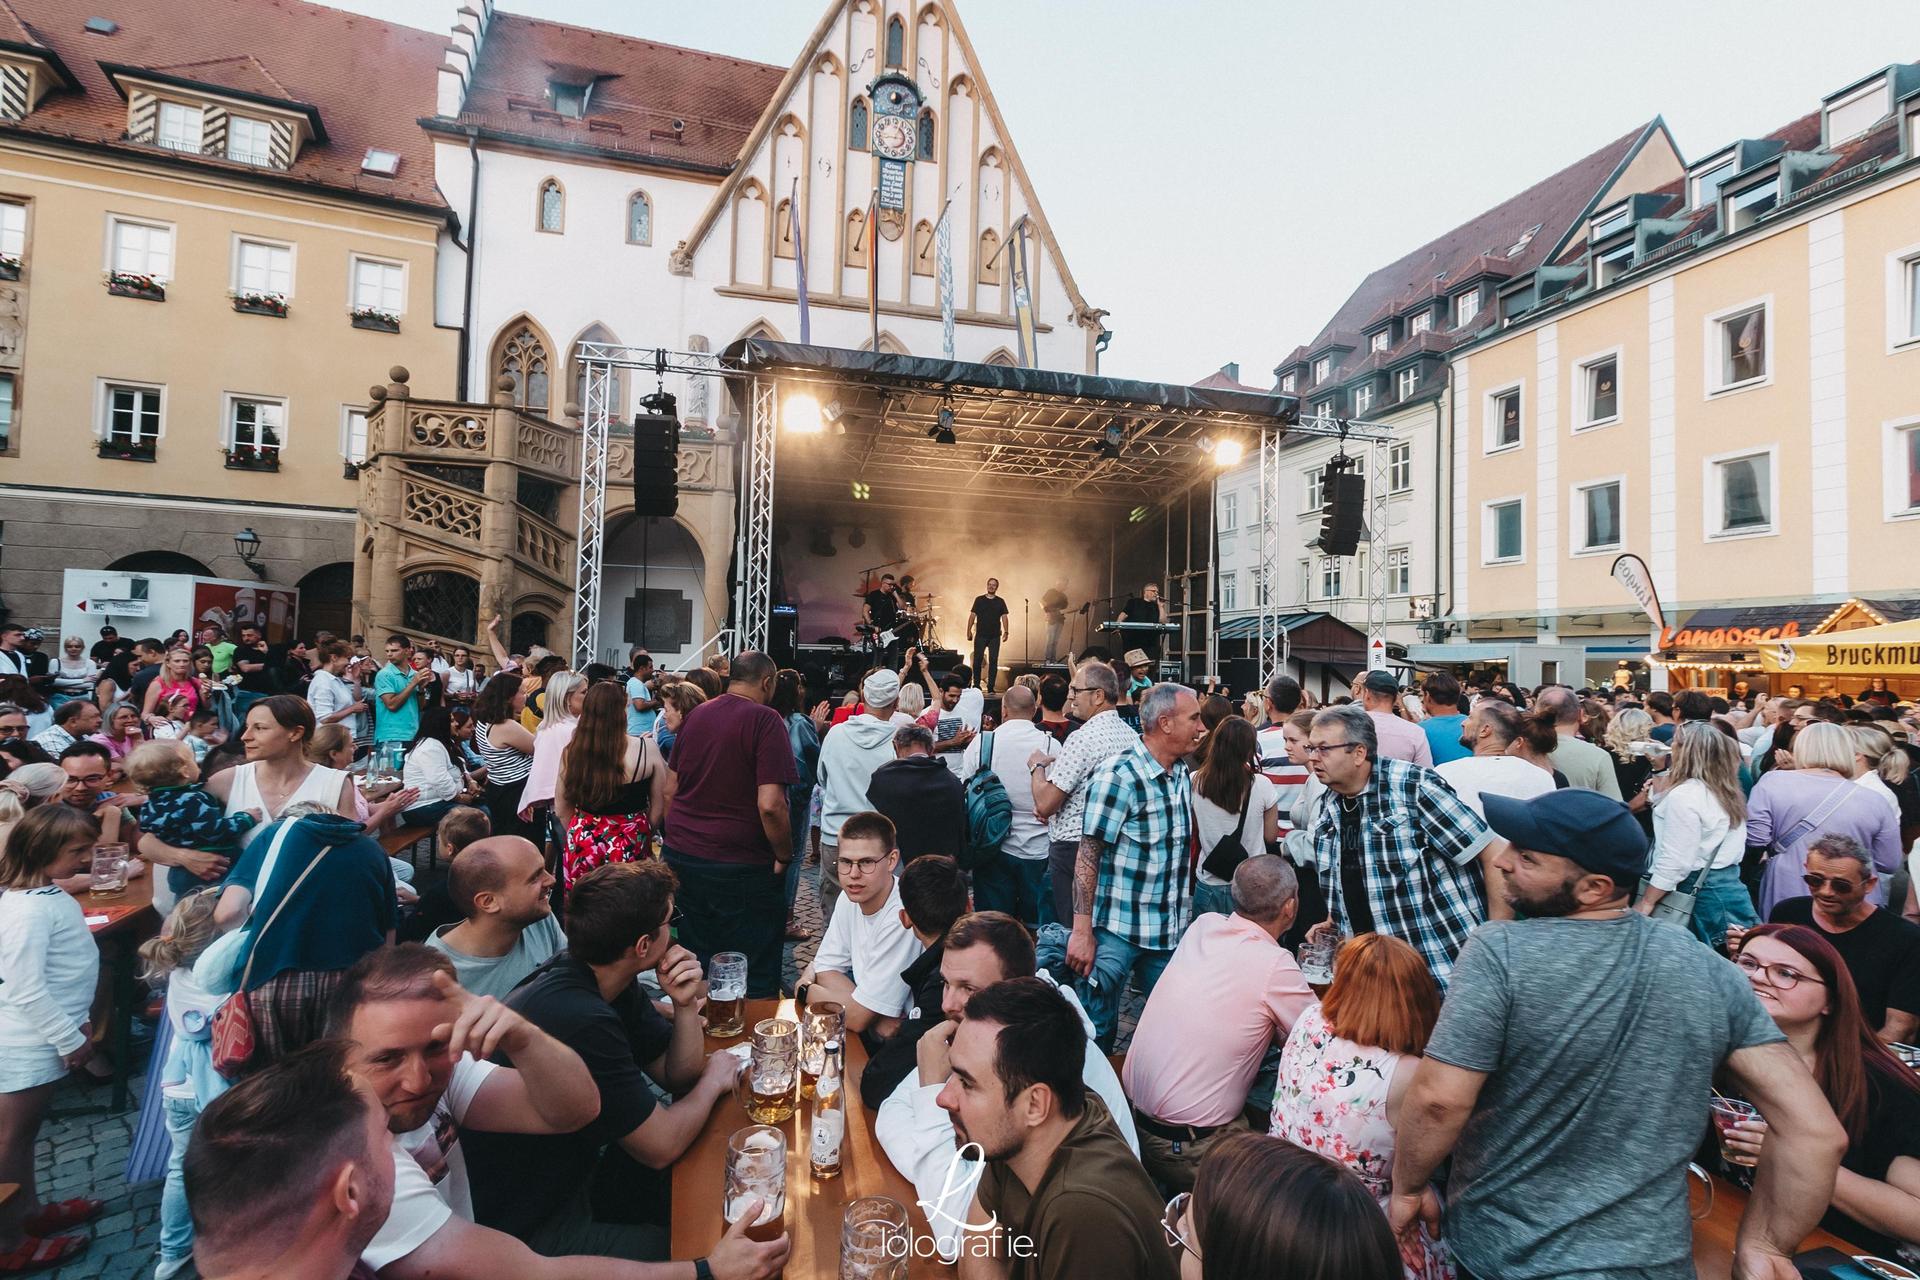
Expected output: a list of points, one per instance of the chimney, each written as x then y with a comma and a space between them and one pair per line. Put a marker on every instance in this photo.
1231, 369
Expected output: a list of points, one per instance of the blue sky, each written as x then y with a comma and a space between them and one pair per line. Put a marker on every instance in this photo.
1221, 174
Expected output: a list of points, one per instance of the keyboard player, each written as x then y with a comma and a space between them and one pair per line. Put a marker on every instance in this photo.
1147, 607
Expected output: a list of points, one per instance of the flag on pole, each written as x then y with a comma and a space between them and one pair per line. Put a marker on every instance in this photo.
943, 249
799, 260
1023, 297
873, 267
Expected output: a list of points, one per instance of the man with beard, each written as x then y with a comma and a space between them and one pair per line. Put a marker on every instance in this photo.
1572, 1066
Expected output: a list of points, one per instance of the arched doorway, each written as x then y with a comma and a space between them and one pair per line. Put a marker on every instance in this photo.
326, 600
653, 593
161, 562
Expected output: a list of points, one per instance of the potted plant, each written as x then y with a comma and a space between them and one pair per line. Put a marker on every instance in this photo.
257, 302
9, 267
246, 457
126, 450
133, 284
376, 319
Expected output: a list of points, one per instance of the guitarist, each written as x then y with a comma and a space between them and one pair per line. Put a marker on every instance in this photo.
881, 611
1054, 605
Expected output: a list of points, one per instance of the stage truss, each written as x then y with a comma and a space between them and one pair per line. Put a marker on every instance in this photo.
1012, 439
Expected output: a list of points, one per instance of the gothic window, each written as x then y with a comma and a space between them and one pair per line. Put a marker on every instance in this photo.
923, 248
990, 257
783, 229
441, 603
857, 238
577, 375
896, 42
639, 219
925, 151
553, 206
857, 125
523, 358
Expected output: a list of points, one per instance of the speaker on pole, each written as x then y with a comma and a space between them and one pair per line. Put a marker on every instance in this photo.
1341, 516
656, 456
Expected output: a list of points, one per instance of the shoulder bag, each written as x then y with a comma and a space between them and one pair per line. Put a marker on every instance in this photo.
233, 1040
1228, 853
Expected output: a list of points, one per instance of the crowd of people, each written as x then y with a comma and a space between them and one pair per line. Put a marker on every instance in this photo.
1387, 968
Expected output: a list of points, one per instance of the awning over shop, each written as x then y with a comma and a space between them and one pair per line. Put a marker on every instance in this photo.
1739, 638
1892, 650
1311, 637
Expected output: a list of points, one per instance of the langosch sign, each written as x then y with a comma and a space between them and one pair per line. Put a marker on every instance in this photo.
1725, 637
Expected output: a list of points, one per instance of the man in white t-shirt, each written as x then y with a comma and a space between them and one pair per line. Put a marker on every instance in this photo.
1016, 880
423, 1043
1488, 733
329, 694
867, 944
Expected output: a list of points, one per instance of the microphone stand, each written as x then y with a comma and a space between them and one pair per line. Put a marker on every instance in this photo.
1026, 613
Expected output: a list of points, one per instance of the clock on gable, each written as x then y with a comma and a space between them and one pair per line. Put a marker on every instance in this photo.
896, 125
893, 138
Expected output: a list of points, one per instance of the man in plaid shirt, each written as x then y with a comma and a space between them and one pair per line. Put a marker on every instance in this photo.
1397, 850
1132, 882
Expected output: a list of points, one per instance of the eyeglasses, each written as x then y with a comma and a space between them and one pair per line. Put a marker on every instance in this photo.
1320, 748
1082, 688
859, 866
1170, 1224
1838, 884
1781, 977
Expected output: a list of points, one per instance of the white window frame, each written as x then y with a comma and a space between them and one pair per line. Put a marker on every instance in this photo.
1229, 511
1606, 223
11, 382
230, 400
1577, 516
1583, 397
1419, 322
1894, 433
1713, 496
1400, 458
1313, 494
13, 239
1490, 418
1229, 592
347, 412
238, 285
1704, 170
1875, 88
1362, 398
1903, 298
187, 109
1727, 198
263, 158
1466, 306
1406, 382
1399, 571
1328, 408
1621, 254
353, 279
1288, 381
1380, 341
1713, 358
1490, 530
1333, 582
115, 221
103, 389
1322, 369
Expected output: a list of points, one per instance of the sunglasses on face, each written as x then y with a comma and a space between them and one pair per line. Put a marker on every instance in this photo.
1839, 884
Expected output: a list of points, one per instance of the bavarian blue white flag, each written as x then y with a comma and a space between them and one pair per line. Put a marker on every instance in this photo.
943, 251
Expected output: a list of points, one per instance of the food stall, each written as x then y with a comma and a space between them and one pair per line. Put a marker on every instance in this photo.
1849, 661
1716, 649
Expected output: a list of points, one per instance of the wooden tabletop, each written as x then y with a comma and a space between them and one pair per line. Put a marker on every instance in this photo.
1713, 1235
814, 1209
122, 909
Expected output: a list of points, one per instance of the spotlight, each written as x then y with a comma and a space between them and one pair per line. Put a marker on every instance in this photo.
862, 491
1227, 451
835, 417
800, 414
1116, 436
1136, 515
941, 432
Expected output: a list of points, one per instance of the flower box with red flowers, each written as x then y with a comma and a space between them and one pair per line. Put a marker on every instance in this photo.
131, 284
374, 318
9, 267
255, 303
247, 457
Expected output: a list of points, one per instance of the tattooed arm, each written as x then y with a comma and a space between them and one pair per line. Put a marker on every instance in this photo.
1086, 879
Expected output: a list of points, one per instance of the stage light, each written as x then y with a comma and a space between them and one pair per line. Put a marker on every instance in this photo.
1227, 451
800, 414
862, 491
1116, 435
941, 432
1136, 515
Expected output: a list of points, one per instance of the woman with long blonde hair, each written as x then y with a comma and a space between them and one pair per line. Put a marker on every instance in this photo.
1700, 834
1879, 767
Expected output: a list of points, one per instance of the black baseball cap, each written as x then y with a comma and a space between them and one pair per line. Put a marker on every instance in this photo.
1380, 681
1595, 832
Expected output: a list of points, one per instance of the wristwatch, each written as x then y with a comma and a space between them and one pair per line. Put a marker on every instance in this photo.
702, 1270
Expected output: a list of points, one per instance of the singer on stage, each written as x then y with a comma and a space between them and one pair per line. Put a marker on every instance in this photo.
1146, 607
987, 626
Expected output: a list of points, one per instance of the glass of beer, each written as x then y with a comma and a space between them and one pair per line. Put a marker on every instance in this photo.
873, 1240
109, 870
1727, 1112
770, 1086
1316, 957
757, 1170
726, 994
820, 1024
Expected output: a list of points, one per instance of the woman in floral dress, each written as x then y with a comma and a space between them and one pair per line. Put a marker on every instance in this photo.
1347, 1065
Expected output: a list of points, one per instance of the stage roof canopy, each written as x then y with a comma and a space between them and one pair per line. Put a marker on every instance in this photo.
1018, 433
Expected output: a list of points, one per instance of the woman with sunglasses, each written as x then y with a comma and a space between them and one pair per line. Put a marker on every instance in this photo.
1263, 1207
1802, 982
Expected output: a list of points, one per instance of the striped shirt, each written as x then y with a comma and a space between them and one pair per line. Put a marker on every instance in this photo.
504, 764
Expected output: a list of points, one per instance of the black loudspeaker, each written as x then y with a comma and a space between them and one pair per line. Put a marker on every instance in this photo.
1243, 675
1345, 509
656, 457
783, 635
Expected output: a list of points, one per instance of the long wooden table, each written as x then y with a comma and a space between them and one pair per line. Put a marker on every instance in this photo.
119, 925
814, 1209
1713, 1235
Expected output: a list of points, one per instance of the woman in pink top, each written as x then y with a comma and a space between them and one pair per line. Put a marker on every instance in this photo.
176, 680
1347, 1065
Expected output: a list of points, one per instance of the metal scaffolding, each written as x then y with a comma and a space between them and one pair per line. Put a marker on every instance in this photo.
753, 573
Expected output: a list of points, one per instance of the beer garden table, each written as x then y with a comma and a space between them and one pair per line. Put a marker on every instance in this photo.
119, 925
1713, 1235
814, 1209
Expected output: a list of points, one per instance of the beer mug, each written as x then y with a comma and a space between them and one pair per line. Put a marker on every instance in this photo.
770, 1086
1316, 957
726, 994
820, 1025
1706, 1181
874, 1244
757, 1170
109, 871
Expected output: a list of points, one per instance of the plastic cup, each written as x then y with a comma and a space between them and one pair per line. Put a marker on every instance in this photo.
1727, 1112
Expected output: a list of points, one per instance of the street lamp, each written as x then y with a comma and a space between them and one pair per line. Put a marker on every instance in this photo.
246, 544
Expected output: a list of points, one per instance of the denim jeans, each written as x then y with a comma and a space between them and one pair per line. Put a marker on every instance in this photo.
1061, 855
1721, 900
733, 906
176, 1224
1102, 992
1017, 886
1217, 898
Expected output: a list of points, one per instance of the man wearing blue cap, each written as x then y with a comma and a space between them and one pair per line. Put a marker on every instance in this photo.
1571, 1068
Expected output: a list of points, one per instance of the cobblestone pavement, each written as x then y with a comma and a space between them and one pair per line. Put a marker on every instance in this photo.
83, 1147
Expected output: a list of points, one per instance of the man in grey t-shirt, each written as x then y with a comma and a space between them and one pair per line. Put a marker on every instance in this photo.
1571, 1067
502, 886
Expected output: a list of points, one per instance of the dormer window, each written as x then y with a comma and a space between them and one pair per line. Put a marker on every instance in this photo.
1465, 308
179, 127
1380, 341
1419, 323
1321, 368
569, 100
249, 141
1608, 224
1705, 185
1748, 206
1609, 266
1856, 113
1288, 383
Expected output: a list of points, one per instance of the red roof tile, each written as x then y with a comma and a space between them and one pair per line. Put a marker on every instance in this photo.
370, 80
647, 87
1219, 380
